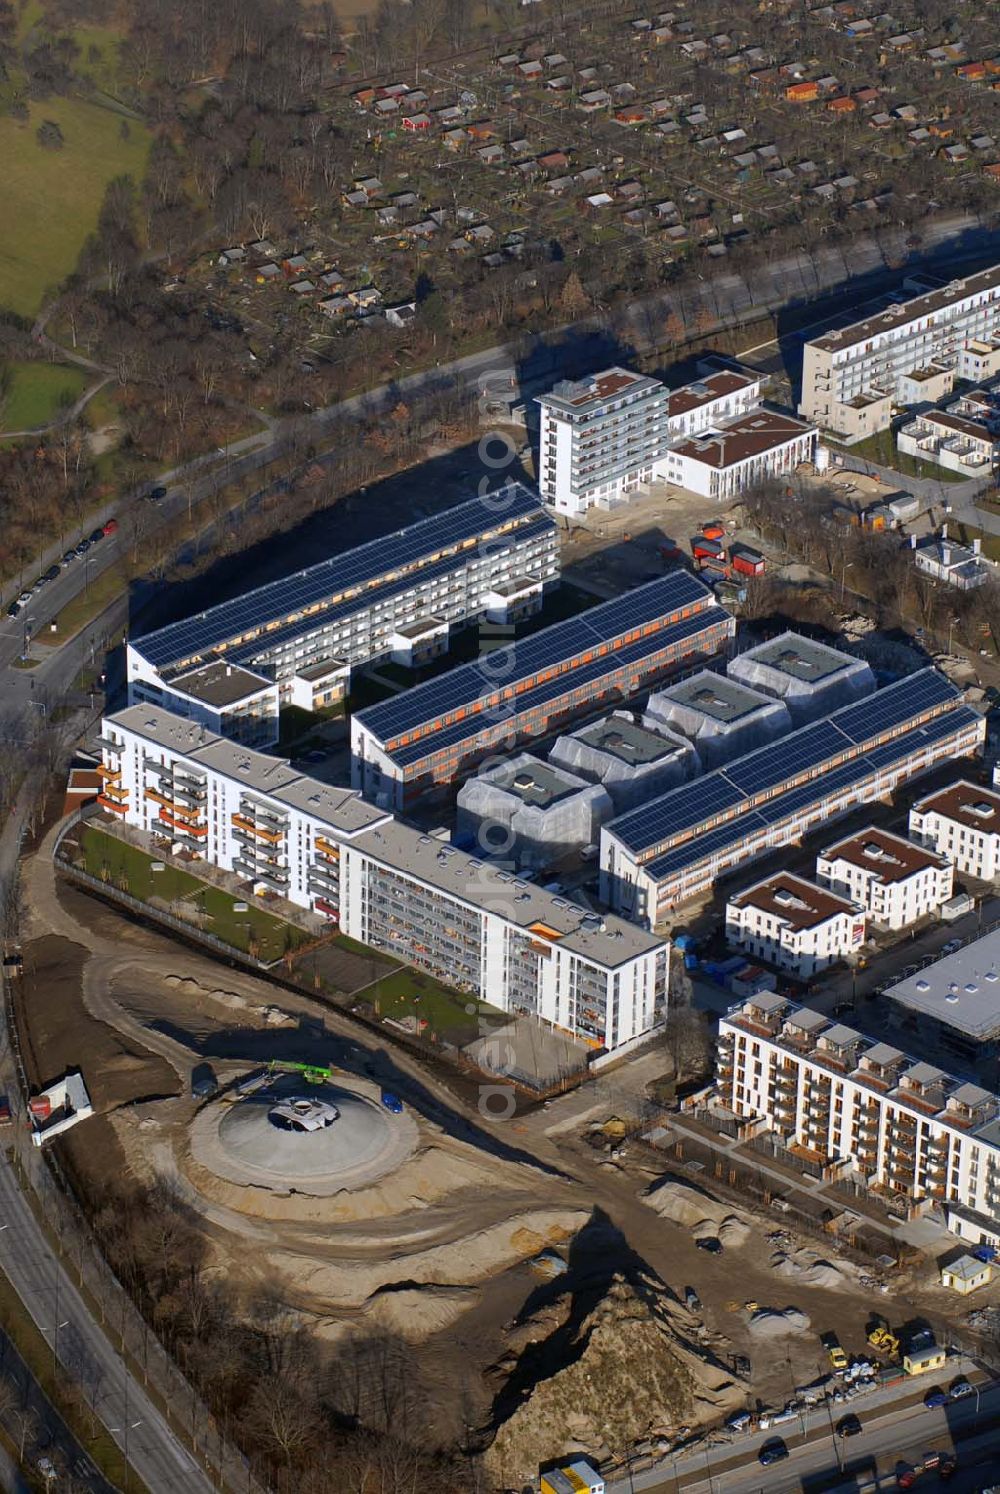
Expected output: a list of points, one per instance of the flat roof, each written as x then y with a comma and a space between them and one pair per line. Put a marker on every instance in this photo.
889, 858
552, 651
578, 398
718, 697
629, 742
976, 430
968, 804
801, 658
962, 990
220, 684
735, 441
603, 938
852, 730
301, 597
895, 316
701, 392
535, 782
796, 902
342, 809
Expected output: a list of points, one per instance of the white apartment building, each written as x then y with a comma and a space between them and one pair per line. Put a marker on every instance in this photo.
599, 439
949, 440
297, 639
477, 927
603, 437
792, 923
894, 880
869, 358
945, 560
961, 822
864, 1109
725, 459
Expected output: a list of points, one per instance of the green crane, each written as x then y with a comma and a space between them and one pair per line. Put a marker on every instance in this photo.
312, 1073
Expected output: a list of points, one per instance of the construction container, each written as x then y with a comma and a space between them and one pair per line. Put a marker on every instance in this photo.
713, 530
41, 1107
703, 548
748, 562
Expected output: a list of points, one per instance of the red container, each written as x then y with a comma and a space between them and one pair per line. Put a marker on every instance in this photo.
705, 549
748, 563
713, 530
41, 1108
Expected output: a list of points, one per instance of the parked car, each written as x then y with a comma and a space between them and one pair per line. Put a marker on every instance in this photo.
157, 494
83, 547
773, 1451
24, 598
110, 527
51, 574
14, 609
961, 1389
849, 1426
935, 1398
95, 535
68, 558
392, 1102
692, 1299
204, 1083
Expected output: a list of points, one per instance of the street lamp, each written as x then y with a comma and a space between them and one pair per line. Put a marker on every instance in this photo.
847, 566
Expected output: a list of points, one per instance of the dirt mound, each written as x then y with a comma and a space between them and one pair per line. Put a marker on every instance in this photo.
604, 1383
688, 1206
416, 1313
810, 1269
776, 1322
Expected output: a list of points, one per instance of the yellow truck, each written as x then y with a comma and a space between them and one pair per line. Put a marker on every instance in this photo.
578, 1477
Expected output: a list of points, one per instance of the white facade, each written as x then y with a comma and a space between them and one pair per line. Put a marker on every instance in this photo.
949, 440
899, 1126
894, 880
384, 883
399, 596
599, 438
961, 822
792, 923
723, 460
602, 438
872, 355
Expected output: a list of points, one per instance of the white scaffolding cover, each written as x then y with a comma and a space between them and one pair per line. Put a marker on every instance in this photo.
811, 678
632, 761
530, 813
722, 717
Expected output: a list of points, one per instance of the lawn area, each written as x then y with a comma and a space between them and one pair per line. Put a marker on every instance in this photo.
129, 868
86, 605
40, 245
38, 391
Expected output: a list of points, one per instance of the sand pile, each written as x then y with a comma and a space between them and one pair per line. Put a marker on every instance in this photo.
416, 1313
808, 1268
619, 1376
703, 1216
775, 1322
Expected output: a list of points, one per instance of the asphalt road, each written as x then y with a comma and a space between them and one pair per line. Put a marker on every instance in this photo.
890, 1433
51, 1299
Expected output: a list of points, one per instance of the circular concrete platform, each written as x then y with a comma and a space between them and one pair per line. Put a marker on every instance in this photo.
247, 1141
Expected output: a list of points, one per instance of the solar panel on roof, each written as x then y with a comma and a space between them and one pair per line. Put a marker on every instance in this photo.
895, 703
710, 844
787, 757
356, 567
560, 642
480, 724
681, 809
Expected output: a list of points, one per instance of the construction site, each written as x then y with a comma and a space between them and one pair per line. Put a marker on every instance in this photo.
569, 1279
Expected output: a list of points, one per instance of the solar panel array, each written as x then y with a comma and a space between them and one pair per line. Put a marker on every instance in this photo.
768, 767
216, 626
552, 646
790, 804
476, 728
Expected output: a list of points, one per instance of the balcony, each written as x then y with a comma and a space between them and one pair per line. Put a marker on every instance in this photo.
259, 832
112, 805
327, 848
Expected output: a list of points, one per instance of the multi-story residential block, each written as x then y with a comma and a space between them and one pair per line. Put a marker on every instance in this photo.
787, 921
599, 438
894, 880
869, 358
673, 848
961, 822
475, 926
723, 460
952, 1006
811, 678
295, 641
434, 735
902, 1128
950, 440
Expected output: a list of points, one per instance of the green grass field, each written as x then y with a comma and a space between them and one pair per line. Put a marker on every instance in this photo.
52, 197
38, 392
412, 993
127, 867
